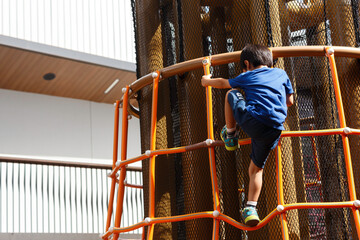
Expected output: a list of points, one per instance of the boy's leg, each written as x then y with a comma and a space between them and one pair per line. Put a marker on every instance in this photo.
228, 133
249, 213
255, 182
229, 115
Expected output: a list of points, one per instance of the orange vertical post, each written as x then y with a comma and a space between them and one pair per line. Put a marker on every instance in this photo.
280, 190
345, 139
156, 76
210, 131
115, 155
124, 135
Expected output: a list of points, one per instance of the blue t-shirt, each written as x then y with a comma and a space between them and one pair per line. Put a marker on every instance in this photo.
265, 89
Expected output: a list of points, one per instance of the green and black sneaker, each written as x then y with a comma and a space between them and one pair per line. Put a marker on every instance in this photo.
231, 143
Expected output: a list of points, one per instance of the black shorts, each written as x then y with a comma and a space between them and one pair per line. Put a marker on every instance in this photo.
263, 138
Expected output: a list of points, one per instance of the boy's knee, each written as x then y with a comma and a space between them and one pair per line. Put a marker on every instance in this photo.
253, 169
228, 92
234, 94
227, 95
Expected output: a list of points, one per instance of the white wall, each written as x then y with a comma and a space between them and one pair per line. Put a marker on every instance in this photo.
55, 128
103, 28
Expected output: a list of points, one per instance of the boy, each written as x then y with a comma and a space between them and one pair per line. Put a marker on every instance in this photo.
268, 93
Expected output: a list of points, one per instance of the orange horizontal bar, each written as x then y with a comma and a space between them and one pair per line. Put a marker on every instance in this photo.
347, 204
354, 131
192, 147
130, 185
124, 229
191, 216
231, 221
241, 142
287, 207
242, 226
225, 58
244, 141
165, 219
308, 133
313, 184
133, 185
126, 162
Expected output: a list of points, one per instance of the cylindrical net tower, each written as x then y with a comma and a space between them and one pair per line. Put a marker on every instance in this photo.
173, 31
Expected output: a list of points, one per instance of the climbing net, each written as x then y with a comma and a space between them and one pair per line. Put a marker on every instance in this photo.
118, 173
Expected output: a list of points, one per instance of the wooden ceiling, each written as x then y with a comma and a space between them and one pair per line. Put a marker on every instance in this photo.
23, 70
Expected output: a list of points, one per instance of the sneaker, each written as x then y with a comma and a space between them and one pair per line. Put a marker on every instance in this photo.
250, 216
231, 144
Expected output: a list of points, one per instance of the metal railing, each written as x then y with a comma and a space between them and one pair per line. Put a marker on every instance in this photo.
41, 197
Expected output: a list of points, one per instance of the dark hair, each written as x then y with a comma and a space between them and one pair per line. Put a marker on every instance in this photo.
256, 55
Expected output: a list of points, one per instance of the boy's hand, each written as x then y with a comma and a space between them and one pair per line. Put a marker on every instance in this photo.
205, 80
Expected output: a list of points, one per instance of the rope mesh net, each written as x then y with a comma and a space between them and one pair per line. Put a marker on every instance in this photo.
172, 31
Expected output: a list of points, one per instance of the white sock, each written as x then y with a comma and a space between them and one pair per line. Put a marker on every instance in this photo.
251, 204
230, 130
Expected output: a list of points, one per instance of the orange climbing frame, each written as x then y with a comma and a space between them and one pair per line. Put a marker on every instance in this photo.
210, 143
210, 132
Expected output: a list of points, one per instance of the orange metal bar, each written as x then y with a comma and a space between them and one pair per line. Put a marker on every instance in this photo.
133, 185
184, 217
192, 147
317, 183
143, 233
210, 130
111, 201
275, 212
219, 216
307, 133
225, 218
355, 131
152, 158
144, 156
241, 142
129, 228
115, 155
317, 166
124, 137
345, 139
316, 159
284, 228
116, 133
225, 58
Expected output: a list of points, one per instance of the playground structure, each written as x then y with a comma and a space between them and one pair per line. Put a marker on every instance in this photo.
283, 208
193, 188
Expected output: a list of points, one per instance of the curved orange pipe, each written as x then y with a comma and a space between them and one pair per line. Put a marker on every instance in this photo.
345, 139
245, 141
121, 188
115, 155
226, 58
231, 221
153, 158
210, 130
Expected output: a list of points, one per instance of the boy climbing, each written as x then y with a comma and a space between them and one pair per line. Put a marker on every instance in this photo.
268, 93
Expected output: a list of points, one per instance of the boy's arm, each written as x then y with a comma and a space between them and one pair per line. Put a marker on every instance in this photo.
289, 99
206, 81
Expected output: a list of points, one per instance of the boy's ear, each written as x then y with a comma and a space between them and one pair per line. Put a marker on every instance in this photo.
247, 64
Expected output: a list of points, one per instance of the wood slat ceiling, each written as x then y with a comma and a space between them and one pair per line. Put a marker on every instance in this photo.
23, 70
